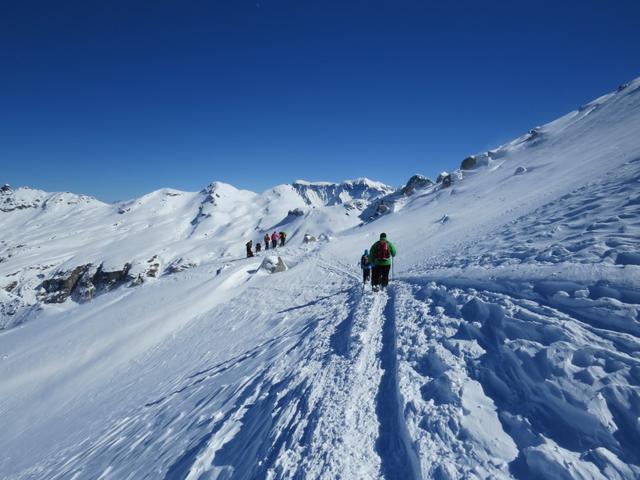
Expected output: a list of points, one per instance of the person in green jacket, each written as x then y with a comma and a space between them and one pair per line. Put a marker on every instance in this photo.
381, 254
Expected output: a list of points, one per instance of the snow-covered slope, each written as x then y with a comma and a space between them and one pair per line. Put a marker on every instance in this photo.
54, 243
508, 345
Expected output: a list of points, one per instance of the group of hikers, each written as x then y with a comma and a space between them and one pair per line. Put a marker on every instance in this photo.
272, 239
376, 263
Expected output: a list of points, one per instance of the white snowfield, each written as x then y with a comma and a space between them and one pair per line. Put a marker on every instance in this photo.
138, 342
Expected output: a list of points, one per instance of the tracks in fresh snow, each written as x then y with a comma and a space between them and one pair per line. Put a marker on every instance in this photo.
399, 459
428, 380
515, 386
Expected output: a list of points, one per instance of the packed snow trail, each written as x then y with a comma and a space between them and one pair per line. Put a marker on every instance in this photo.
399, 460
276, 410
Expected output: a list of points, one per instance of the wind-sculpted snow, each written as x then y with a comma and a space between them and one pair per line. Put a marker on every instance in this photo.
507, 346
505, 386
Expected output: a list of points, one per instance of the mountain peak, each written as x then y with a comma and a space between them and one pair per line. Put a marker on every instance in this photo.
328, 193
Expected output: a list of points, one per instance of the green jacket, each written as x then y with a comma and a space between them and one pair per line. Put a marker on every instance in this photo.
373, 253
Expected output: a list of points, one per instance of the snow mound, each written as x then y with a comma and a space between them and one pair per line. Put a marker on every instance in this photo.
273, 264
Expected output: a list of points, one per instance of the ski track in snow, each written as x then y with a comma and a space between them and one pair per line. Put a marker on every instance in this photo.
278, 421
438, 378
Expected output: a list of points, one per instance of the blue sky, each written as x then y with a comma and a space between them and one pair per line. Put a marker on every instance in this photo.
118, 98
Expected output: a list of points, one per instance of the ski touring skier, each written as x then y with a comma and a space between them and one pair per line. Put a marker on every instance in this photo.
249, 245
365, 265
283, 237
274, 239
266, 241
258, 247
381, 256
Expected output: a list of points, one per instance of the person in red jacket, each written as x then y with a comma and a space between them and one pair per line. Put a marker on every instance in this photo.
274, 239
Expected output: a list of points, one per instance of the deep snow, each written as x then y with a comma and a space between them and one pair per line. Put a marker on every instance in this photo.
508, 345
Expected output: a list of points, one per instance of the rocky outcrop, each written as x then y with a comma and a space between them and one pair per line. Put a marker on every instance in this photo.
416, 182
468, 163
446, 179
144, 270
60, 287
82, 283
273, 264
480, 160
105, 280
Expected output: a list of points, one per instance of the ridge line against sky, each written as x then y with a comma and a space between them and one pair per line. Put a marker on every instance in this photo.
122, 98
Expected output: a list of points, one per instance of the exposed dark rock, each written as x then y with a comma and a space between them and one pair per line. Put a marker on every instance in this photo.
154, 267
534, 136
60, 287
480, 160
9, 201
11, 286
444, 179
82, 283
468, 163
85, 290
149, 269
447, 179
108, 280
416, 182
296, 212
201, 215
520, 170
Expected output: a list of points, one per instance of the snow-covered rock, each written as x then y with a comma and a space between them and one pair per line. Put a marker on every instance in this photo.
416, 182
273, 264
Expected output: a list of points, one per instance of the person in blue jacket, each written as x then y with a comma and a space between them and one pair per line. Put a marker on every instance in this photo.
365, 265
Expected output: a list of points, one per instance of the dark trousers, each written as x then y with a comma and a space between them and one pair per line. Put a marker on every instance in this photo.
380, 275
366, 273
274, 243
266, 244
282, 241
